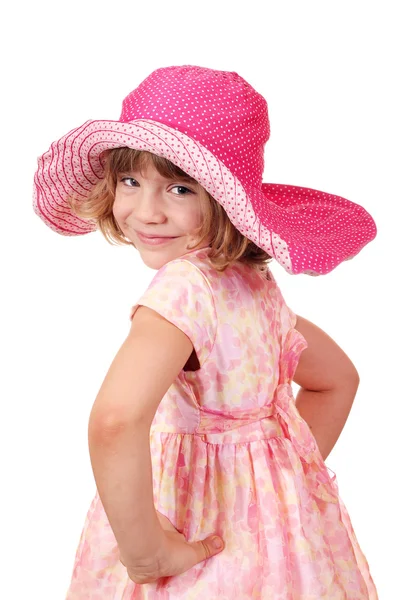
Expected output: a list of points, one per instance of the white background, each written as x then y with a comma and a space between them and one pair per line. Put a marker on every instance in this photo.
330, 75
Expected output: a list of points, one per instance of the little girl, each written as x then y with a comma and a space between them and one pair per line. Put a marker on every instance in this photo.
195, 435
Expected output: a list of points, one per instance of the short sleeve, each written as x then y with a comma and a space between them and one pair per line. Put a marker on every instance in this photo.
293, 342
288, 320
181, 293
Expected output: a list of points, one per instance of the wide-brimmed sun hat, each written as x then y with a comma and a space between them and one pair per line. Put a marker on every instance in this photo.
214, 126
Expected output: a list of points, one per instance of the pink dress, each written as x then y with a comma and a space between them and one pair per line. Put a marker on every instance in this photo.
231, 455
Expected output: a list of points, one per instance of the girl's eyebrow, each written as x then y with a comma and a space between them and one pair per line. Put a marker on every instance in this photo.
127, 172
188, 180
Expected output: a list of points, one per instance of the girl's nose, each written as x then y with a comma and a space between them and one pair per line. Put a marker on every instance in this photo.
148, 208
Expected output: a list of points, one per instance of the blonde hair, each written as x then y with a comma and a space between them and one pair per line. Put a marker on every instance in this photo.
227, 244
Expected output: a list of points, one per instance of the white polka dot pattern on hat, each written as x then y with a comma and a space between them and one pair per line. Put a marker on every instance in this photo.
216, 108
307, 231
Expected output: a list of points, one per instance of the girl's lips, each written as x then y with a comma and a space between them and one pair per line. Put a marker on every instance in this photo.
154, 241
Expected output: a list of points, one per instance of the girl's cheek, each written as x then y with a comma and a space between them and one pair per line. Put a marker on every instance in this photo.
118, 207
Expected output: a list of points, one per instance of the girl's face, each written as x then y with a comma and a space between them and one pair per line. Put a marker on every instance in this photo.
157, 214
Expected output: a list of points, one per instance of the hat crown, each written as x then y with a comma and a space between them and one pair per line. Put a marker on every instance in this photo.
218, 109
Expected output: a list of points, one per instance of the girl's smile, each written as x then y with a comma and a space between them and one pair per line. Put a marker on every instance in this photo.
154, 240
159, 215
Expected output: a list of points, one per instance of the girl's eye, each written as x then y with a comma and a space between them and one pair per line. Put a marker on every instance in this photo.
181, 190
129, 181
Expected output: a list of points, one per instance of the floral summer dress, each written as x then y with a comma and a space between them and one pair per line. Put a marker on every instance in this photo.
231, 455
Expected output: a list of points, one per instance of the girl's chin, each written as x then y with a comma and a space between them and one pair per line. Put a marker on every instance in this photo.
156, 257
154, 263
156, 260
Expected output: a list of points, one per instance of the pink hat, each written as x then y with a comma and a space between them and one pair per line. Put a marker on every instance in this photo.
214, 126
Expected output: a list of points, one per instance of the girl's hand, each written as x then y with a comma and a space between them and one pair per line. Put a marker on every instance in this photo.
179, 555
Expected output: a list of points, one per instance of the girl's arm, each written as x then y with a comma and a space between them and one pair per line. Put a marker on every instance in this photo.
328, 383
146, 365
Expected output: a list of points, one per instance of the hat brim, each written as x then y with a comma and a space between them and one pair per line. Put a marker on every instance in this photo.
305, 230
